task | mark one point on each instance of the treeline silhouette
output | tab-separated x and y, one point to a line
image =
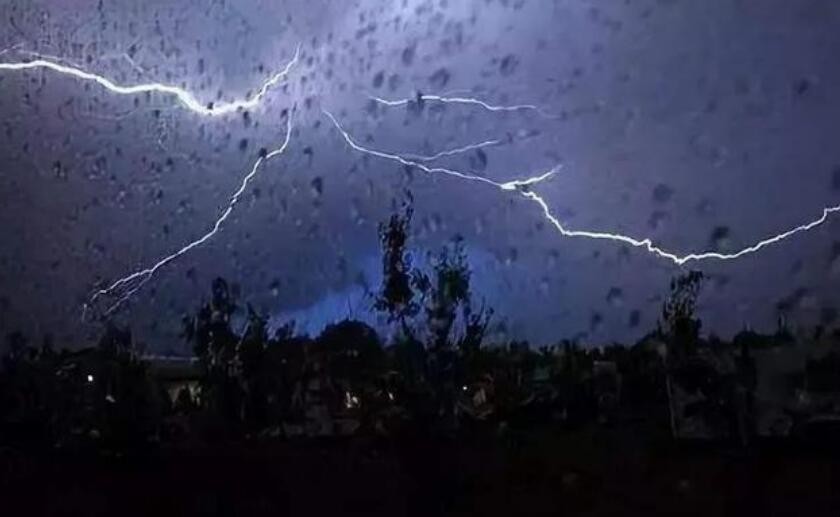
437	377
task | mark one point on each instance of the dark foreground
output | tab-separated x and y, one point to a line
593	472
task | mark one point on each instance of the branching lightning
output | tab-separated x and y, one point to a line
459	100
510	185
522	186
452	152
123	289
187	99
679	260
127	286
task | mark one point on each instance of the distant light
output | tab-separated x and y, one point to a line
350	401
90	378
464	388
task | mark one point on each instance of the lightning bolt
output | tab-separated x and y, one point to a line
124	288
187	99
460	100
522	187
452	152
679	260
510	185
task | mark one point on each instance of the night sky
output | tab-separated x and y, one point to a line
706	126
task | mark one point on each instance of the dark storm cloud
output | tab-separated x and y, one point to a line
699	124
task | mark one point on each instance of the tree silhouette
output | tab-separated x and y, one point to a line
680	327
397	296
127	406
215	344
356	363
448	291
354	352
681	330
251	369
